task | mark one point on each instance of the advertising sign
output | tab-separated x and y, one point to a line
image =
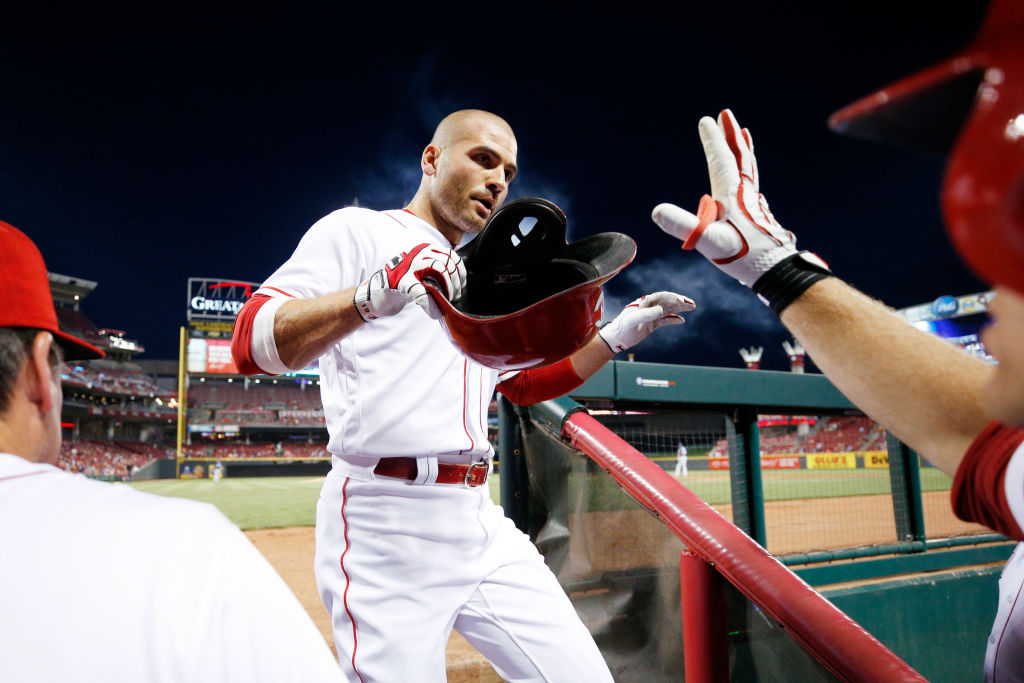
217	298
210	356
831	461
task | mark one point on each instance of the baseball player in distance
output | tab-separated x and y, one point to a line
99	582
409	544
963	415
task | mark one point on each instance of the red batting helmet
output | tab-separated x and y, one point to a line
971	105
531	298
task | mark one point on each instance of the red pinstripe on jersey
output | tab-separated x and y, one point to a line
341	562
27	474
465	401
483	406
1009	620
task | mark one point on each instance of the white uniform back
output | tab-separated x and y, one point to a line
442	408
99	582
1004	655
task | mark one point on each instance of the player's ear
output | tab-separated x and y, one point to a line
38	372
428	162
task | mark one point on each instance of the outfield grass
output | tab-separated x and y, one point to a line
273	502
713	487
257	502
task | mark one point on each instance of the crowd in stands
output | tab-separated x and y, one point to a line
278	450
837	434
236	396
120	378
108	459
265	404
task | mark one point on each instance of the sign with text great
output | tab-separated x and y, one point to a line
217	298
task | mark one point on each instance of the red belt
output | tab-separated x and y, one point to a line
405	468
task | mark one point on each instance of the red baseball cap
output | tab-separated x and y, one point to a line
27	298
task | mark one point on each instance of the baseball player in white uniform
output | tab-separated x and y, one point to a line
961	414
409	544
682	461
99	582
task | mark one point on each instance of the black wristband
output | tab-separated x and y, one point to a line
789	278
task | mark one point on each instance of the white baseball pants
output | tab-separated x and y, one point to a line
399	565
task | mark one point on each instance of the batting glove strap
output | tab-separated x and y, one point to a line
790	278
400	282
362	297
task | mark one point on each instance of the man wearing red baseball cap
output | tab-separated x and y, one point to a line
28	301
132	586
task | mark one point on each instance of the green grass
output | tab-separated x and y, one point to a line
713	486
796	484
273	502
257	502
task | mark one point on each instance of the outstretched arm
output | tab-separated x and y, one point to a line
636	321
924	390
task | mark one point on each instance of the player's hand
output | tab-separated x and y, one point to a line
401	280
643	316
733	228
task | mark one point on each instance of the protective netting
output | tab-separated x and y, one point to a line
620	566
825	479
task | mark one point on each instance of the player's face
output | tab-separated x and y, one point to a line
472	176
1004	338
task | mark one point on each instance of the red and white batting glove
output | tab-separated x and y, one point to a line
400	282
643	316
733	228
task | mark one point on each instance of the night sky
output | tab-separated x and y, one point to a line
139	149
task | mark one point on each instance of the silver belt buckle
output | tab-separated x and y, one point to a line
480	464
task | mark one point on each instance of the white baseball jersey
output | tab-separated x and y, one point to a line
99	582
400	564
396	387
1004	654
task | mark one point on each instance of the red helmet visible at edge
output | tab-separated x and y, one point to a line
971	106
531	298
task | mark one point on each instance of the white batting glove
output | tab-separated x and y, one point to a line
643	316
733	228
400	282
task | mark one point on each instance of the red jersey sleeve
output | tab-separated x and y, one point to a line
241	336
540	384
979	491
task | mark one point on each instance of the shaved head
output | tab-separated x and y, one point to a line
467	167
457	125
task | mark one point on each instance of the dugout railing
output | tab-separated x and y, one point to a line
750	617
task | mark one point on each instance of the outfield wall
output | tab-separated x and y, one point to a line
202	468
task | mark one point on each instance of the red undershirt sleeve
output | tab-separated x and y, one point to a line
540	384
979	491
241	336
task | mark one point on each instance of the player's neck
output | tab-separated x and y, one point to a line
421	208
